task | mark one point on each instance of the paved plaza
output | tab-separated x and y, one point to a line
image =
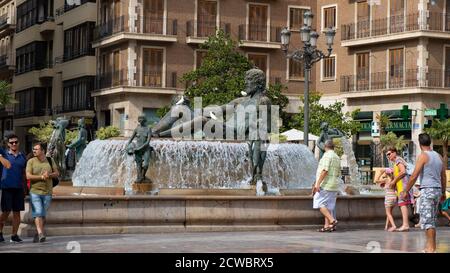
296	241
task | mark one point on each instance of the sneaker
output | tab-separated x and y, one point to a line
41	238
35	238
15	239
1	238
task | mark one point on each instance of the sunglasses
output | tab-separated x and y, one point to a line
13	142
388	154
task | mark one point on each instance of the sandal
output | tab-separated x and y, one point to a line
402	230
327	229
334	223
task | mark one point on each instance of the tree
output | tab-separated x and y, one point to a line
392	140
220	77
5	95
331	114
44	132
441	130
383	122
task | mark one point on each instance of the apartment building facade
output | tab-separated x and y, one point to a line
144	47
7	58
391	55
55	62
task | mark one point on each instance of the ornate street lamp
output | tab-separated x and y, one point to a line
308	55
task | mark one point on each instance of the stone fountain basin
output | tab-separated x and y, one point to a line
84	215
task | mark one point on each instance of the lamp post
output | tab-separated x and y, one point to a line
309	55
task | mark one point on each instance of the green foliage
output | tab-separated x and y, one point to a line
275	93
5	94
331	114
43	133
161	112
384	121
392	140
439	130
338	148
220	78
278	138
107	132
71	136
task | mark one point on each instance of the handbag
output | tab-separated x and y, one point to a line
55	180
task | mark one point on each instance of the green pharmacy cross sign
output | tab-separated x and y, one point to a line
442	112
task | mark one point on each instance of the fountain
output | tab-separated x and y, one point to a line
194	165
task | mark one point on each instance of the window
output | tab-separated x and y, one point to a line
151	116
199	56
447	67
363	19
33	102
153	67
116	69
206	18
77	94
396	68
31	57
259	60
397	16
329	17
296	70
257	22
296	17
33	12
329	68
153	16
78	41
362	71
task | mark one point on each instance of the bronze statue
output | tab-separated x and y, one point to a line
56	146
254	95
141	149
79	144
327	134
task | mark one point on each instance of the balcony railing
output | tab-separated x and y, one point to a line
87	105
410	78
30	112
66	7
260	33
24	69
3	20
396	24
149	26
205	29
73	54
121	78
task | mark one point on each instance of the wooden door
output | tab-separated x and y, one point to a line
396	69
154	16
206	18
362	71
153	67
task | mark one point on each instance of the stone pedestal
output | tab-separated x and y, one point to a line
142	188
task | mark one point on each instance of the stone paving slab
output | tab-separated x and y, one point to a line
293	241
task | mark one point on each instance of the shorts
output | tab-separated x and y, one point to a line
325	199
39	204
406	201
390	199
13	200
428	210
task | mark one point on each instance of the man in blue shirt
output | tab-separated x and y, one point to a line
12	185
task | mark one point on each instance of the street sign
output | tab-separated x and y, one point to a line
430	112
375	130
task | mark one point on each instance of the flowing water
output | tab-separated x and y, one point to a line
195	164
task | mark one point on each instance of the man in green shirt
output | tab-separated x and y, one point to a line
40	173
326	186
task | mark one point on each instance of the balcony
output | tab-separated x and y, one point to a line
46	70
66	7
150	83
7	25
258	36
87	105
47	65
410	81
198	32
396	28
48	26
31	112
146	29
7	63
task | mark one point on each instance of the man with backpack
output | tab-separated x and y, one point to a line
12	184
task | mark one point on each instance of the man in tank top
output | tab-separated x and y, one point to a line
431	168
